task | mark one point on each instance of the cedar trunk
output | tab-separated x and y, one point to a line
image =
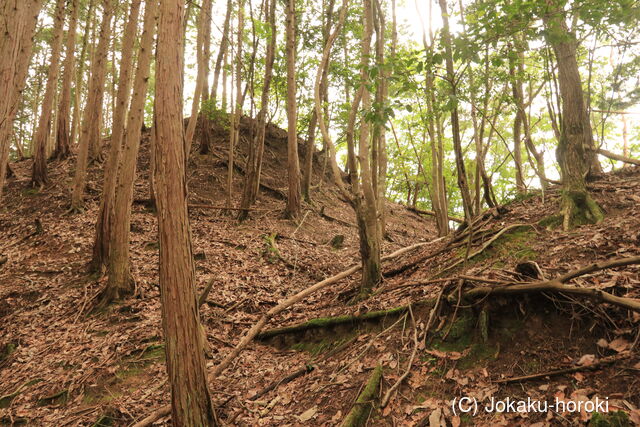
15	53
92	115
120	283
63	136
39	170
293	163
190	399
104	222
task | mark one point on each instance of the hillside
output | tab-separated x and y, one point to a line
63	361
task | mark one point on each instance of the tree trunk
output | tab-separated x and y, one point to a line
293	164
89	28
190	399
237	110
254	160
518	122
105	219
120	283
224	43
93	109
203	118
455	123
39	170
203	21
17	26
63	143
576	138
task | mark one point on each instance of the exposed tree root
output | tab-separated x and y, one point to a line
484	246
364	404
557	285
594	366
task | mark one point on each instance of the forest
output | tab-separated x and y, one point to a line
331	212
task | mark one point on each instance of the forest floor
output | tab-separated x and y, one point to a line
64	363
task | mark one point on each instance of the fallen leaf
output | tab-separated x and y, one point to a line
587	360
619	344
308	414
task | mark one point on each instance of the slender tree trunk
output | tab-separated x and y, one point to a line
89	28
203	21
576	138
455	122
237	111
293	164
307	174
379	163
190	399
518	122
254	160
17	26
39	170
120	283
222	52
63	135
93	110
204	120
105	219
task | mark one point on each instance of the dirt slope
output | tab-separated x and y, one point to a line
63	364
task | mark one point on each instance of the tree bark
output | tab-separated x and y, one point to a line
293	163
92	115
17	26
224	43
455	122
203	21
120	283
104	223
234	134
254	160
89	28
190	399
63	136
39	169
573	153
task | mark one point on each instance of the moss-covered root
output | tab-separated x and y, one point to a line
364	404
579	208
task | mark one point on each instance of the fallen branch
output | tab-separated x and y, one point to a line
203	296
618	157
300	372
594	366
225	208
364	403
432	213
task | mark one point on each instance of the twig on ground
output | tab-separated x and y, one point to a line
387	396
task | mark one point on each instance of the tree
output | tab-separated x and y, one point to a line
190	399
63	135
92	115
254	160
455	120
293	163
575	152
39	170
104	222
120	283
17	24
